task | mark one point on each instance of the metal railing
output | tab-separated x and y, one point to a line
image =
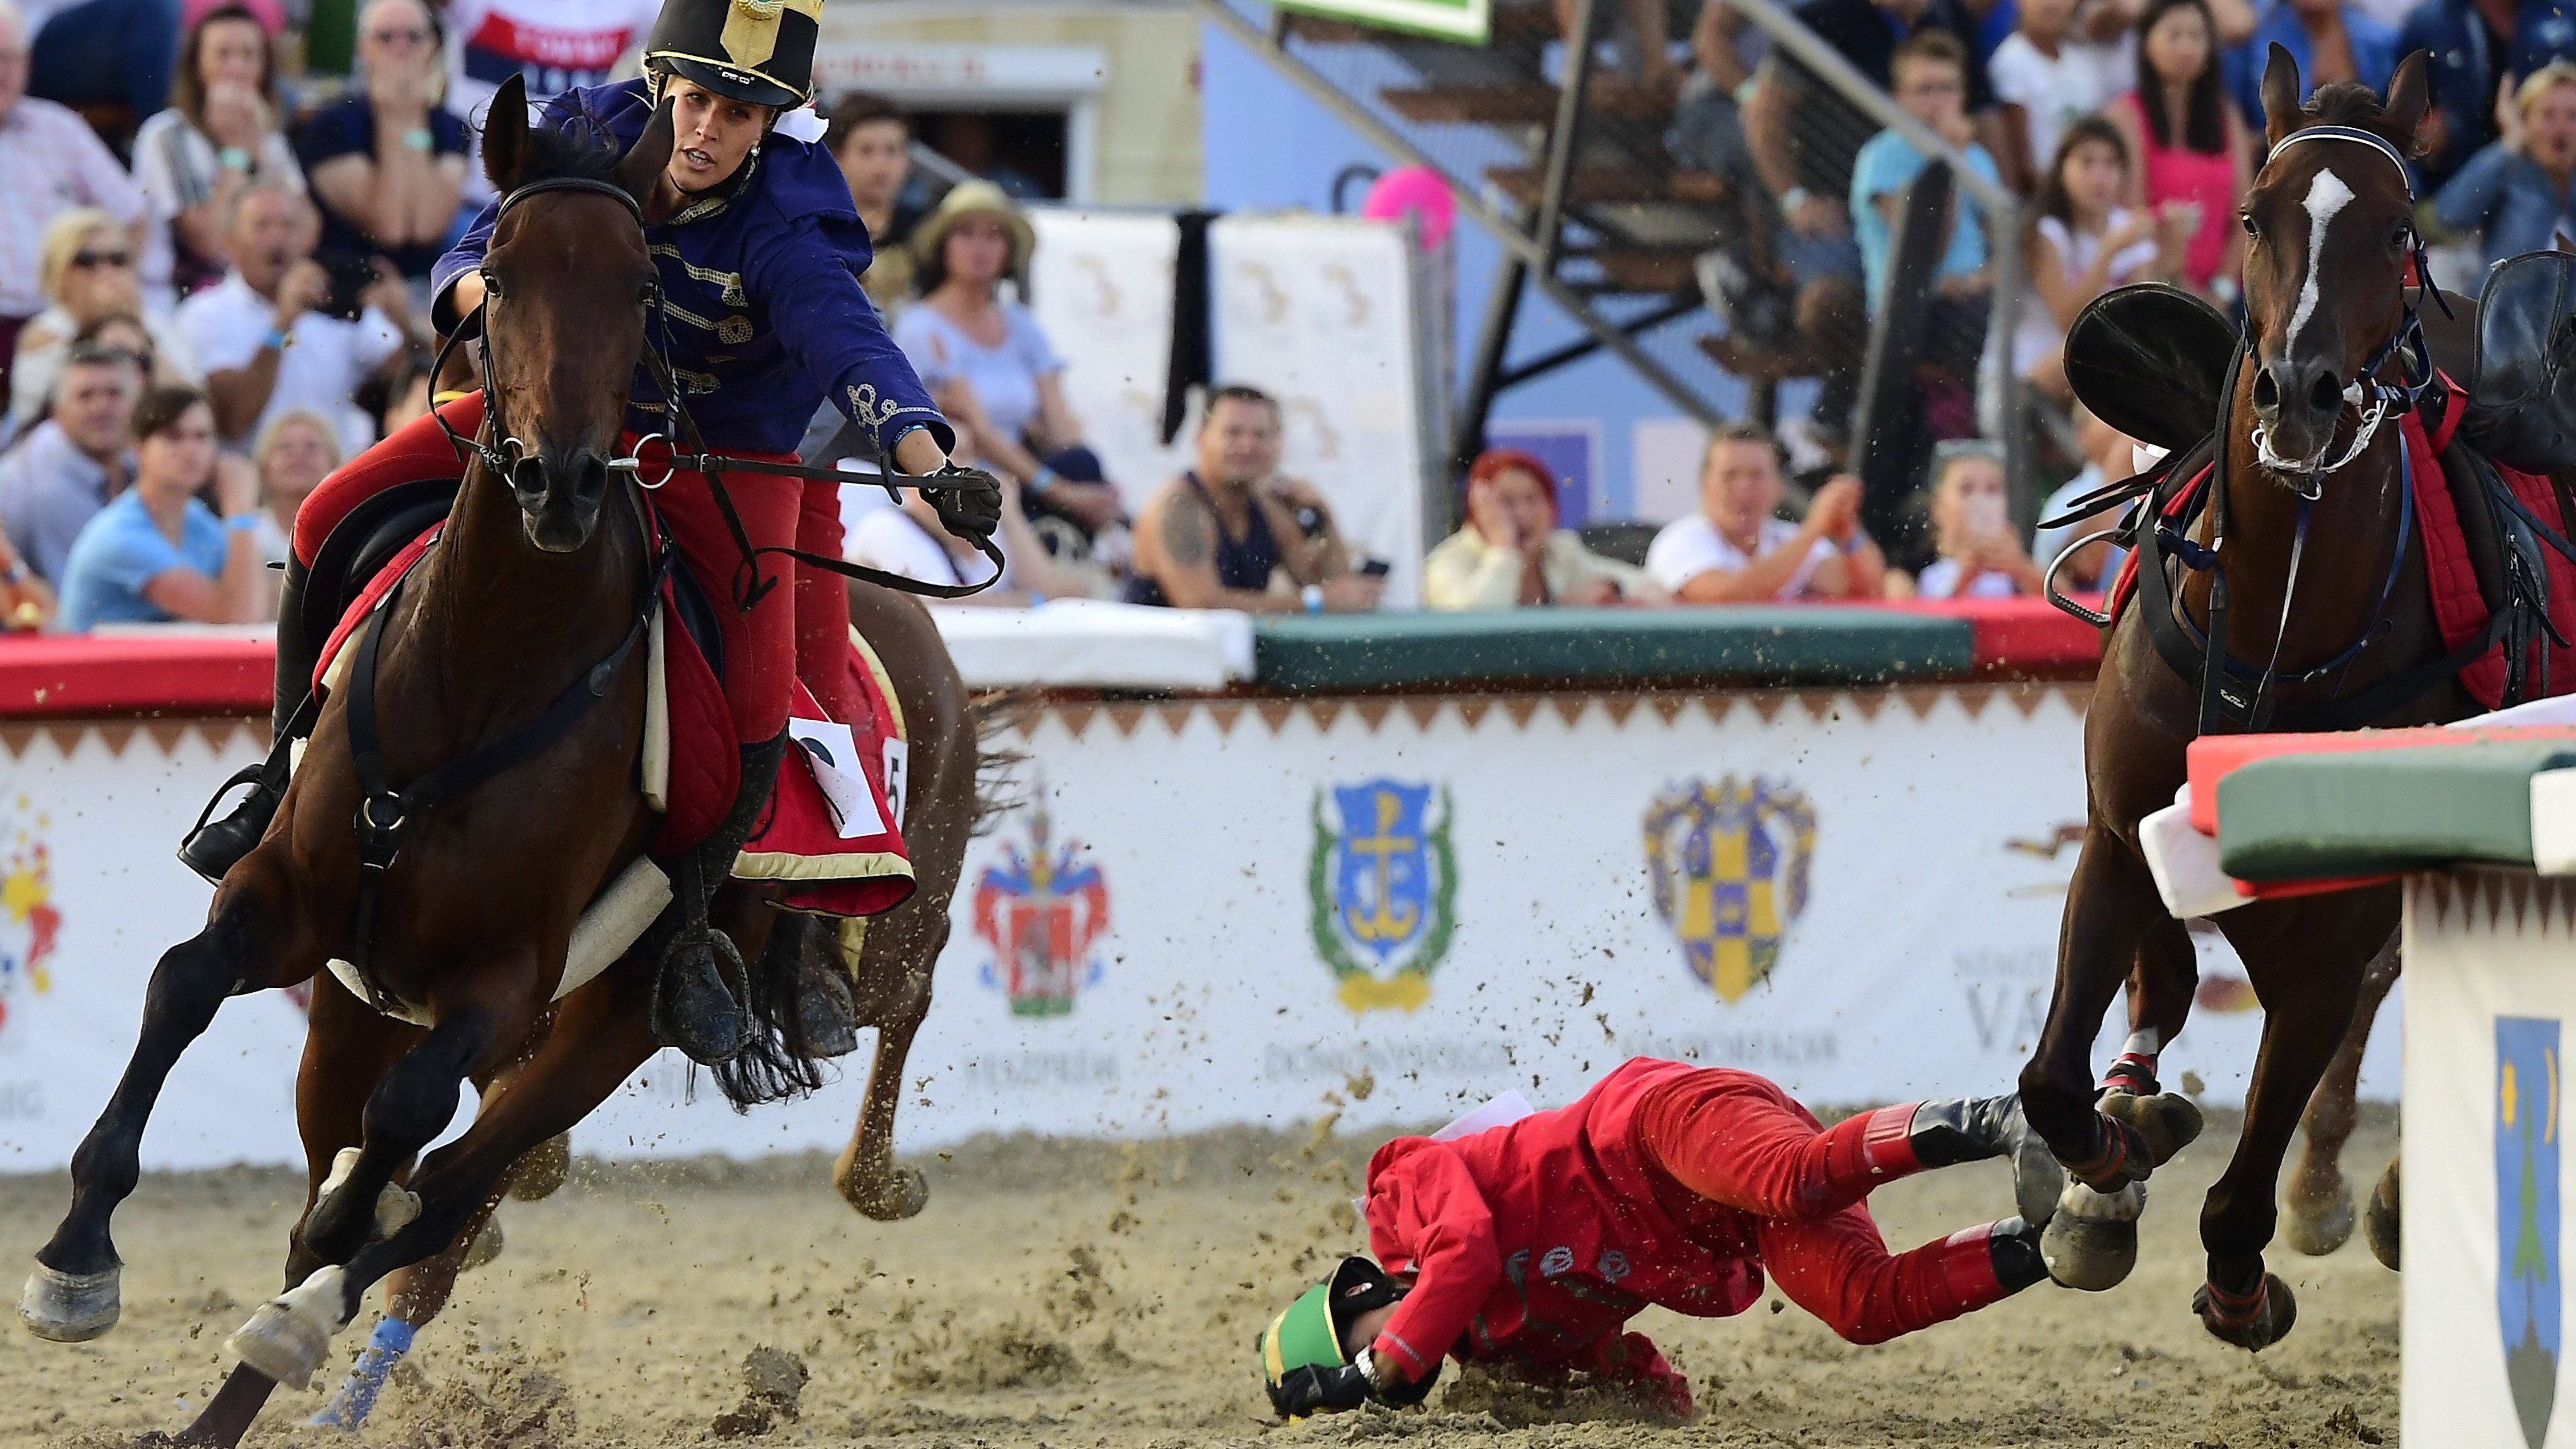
2001	208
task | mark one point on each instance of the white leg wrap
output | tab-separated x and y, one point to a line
2146	1041
289	1336
395	1207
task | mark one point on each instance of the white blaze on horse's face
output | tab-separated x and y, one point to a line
2327	197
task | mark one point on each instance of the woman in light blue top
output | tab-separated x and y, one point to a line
2518	191
155	553
986	362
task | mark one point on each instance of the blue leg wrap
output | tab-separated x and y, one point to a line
357	1396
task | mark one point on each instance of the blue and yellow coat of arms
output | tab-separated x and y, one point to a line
1383	886
2527	1256
1729	865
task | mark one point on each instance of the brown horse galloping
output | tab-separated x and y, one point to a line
2331	218
532	598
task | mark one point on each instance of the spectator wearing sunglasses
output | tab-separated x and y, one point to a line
88	273
387	160
50	162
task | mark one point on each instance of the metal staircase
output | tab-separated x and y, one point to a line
1573	179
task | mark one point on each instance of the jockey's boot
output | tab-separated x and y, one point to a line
700	995
214	845
1971	1129
1912	1137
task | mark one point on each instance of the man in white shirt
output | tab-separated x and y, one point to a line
1733	551
261	336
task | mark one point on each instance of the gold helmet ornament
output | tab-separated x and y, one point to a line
761	51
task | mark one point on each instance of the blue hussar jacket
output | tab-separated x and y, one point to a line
761	277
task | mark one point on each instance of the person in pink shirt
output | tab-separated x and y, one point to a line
2194	158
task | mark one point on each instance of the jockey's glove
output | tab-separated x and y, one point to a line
971	512
1317	1389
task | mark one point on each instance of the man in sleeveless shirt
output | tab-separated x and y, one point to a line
1214	537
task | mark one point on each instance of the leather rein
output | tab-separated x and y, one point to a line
749	584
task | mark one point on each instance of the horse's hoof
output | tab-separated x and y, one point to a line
2091	1241
903	1193
2379	1224
2254	1322
69	1307
289	1336
2317	1229
2167	1121
486	1246
543	1168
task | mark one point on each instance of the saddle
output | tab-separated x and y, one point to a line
2522	378
832	831
2151	360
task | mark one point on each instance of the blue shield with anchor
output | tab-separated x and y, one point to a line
1382	890
2527	1259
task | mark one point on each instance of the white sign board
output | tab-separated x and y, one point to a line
2488	994
1242	911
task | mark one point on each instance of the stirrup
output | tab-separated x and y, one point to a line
266	794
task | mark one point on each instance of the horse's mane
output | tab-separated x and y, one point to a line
574	150
2357	106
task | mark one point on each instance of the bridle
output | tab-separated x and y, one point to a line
500	451
2366	391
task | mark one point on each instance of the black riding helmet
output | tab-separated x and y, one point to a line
759	51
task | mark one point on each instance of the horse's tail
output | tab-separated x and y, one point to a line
996	713
778	1062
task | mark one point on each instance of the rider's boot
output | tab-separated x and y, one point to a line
700	994
214	845
1913	1137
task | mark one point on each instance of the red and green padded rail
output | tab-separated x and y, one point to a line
184	674
2353	807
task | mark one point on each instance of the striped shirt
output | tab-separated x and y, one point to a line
50	162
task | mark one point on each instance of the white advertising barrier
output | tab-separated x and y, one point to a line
1250	911
2484	1344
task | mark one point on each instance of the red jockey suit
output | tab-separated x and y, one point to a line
1533	1244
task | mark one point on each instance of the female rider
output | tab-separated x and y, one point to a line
760	253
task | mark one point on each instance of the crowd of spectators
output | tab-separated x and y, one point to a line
220	241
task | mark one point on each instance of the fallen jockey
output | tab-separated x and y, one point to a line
1530	1245
759	253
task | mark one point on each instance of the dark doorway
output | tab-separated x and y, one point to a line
1021	150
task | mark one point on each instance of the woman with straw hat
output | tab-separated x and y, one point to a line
987	362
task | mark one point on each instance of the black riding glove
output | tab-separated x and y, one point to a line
1315	1390
971	512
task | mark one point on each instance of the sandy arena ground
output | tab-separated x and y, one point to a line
1073	1295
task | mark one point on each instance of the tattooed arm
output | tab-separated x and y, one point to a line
1176	546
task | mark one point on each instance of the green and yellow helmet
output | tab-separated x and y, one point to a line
761	51
1313	1331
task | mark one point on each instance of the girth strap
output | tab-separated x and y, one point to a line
385	815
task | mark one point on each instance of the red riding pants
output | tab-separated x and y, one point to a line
1741	1142
799	629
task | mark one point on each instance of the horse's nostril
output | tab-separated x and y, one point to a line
2267	390
528	475
2325	394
